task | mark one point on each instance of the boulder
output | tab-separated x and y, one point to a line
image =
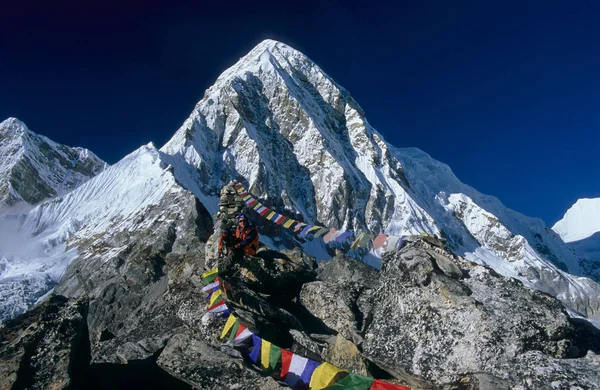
211	367
430	322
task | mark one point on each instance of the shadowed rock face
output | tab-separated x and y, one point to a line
44	348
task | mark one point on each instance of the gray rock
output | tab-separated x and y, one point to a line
207	367
42	348
428	324
345	354
331	304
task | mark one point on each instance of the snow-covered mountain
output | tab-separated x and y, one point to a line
581	221
276	121
33	168
580	229
128	197
298	140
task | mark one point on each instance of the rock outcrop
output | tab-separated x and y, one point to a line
46	347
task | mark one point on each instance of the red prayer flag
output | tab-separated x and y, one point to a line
264	212
241	328
219	303
286	360
380	385
379	241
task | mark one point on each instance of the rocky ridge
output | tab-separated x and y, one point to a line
429	319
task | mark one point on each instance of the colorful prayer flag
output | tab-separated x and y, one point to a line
379	241
257	206
265	353
286	359
327	237
352	382
309	369
320	232
228	325
304	231
278	220
324	375
210	286
299	227
271	215
358	239
242	334
245	198
217	307
343	237
297	366
332	235
211	292
255	354
274	356
251	202
380	385
288	223
400	243
215	297
314	228
210	276
264	212
234	329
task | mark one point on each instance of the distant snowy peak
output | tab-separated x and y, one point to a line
34	168
581	221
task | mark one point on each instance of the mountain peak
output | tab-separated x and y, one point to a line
581	221
13	127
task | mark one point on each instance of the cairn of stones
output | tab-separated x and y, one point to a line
230	205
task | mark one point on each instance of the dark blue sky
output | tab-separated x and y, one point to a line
506	93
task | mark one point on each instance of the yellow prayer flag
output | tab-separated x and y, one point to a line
288	223
246	197
214	297
257	206
313	228
211	272
271	215
323	376
355	243
265	353
228	326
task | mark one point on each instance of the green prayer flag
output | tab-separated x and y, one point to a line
210	278
320	232
234	329
274	358
352	382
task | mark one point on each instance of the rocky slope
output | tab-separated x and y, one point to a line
33	168
429	319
